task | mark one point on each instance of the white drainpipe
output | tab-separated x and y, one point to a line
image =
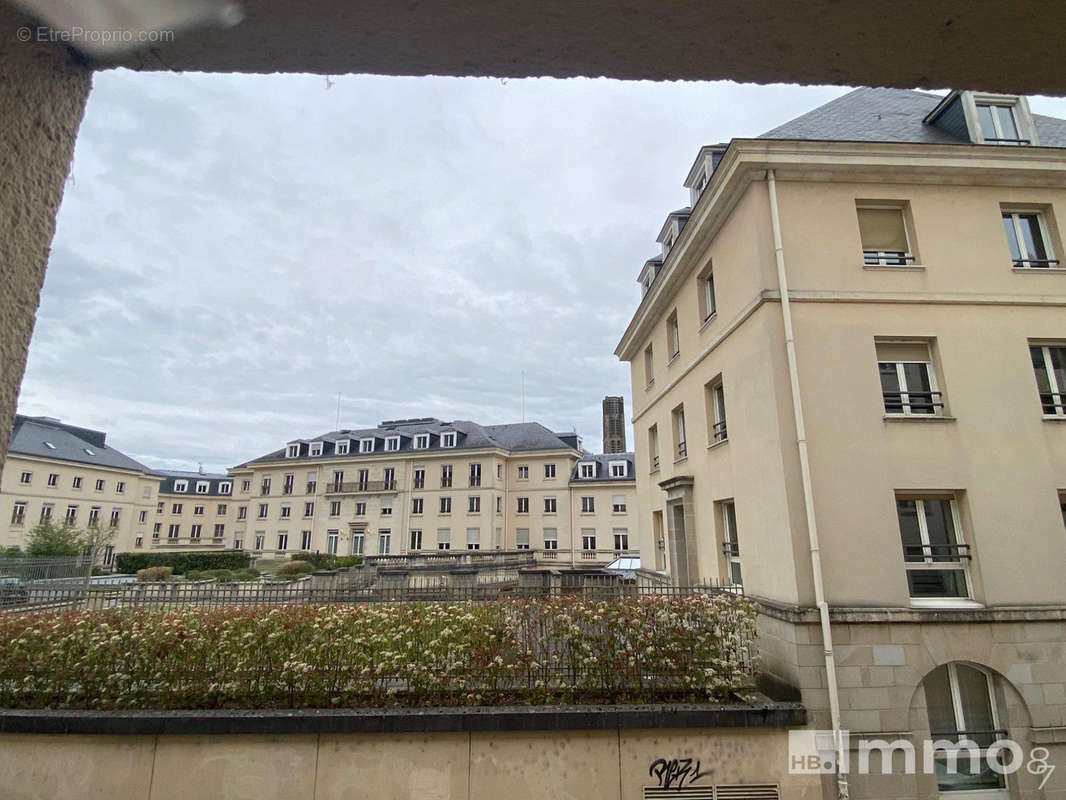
808	492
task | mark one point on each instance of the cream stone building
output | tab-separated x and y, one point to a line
195	511
422	485
848	370
63	472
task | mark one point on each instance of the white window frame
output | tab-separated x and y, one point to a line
415	540
292	450
343	446
888	258
473	504
550	542
1027	259
619	508
26	477
1053	383
314	449
386	507
305	541
444	538
225	487
731	543
1023	121
366	444
421	441
588	504
588	540
203	487
616	465
523	472
449	439
674	331
332	541
392	443
907	408
551	505
384	541
719	427
587	469
621	539
709	299
358	543
549	472
181	486
418	506
445	505
961	564
522	501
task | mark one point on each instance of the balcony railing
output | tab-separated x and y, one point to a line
1036	263
1053	402
947	553
361	487
654	463
682	449
913	403
719	432
887	258
264	488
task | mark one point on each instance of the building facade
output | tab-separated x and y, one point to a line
66	473
194	511
848	368
422	485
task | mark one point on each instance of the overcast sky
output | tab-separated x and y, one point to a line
233	251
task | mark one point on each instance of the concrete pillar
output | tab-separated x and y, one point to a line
43	90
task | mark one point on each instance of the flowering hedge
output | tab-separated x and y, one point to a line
524	651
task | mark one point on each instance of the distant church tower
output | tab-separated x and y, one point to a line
614	425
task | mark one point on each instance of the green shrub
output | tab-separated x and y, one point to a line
183	562
225	575
560	650
295	569
247	574
194	575
11	552
327	561
154	573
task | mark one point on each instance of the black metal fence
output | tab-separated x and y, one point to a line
335	589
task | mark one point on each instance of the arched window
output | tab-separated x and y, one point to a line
962	708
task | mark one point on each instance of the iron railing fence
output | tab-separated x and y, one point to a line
42	569
50	596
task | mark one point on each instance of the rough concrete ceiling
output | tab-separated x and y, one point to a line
1011	45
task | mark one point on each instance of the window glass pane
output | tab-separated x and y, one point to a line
1012	238
1058	367
941	527
938	702
882	230
976	702
937	583
984	119
1005	118
919	389
1042	383
1034	240
890	387
907	510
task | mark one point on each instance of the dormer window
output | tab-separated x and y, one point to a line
315	449
225	487
421	441
203	487
181	486
342	446
998	123
587	469
448	439
619	469
292	451
366	445
668	242
392	443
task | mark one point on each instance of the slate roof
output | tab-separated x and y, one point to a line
889	115
69	443
515	437
603	469
213	479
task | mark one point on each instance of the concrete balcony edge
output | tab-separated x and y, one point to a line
403	720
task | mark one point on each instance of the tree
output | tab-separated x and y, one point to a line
48	539
92	541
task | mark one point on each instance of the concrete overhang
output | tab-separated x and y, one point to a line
932	43
747	161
